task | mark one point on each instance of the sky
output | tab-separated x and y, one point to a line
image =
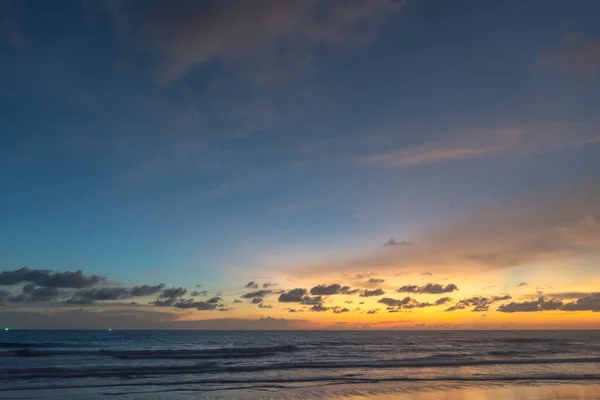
343	164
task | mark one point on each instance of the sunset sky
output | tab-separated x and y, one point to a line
266	164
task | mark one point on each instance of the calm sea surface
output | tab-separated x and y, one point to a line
227	364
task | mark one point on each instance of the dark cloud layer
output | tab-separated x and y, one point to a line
541	304
587	303
49	278
430	288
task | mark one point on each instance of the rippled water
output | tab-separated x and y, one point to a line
77	363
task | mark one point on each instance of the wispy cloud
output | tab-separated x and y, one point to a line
518	140
575	53
187	33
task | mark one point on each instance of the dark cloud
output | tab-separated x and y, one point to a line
373	311
32	293
339	310
522	284
257	294
394	302
261	305
293	296
251	285
588	303
257	300
173	293
541	304
198	305
89	296
394	242
311	300
326	289
268	285
49	278
214	300
201	293
430	288
237	301
375	280
146	290
348	290
426	274
442	300
479	304
370	293
319	308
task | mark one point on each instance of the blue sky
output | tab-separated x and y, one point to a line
180	143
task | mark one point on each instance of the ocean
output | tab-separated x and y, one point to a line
290	364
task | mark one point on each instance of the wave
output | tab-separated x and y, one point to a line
28	345
210	368
280	383
229	352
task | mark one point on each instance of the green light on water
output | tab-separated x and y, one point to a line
6	329
110	329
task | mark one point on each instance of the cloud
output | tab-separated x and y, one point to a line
394	302
371	293
479	304
576	53
373	311
326	289
261	305
430	288
311	300
88	296
170	295
49	278
214	300
541	304
394	242
319	308
31	293
186	33
375	281
442	300
338	310
517	140
522	284
426	274
146	290
251	285
173	293
257	300
588	303
198	305
201	293
252	295
237	301
292	296
268	285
